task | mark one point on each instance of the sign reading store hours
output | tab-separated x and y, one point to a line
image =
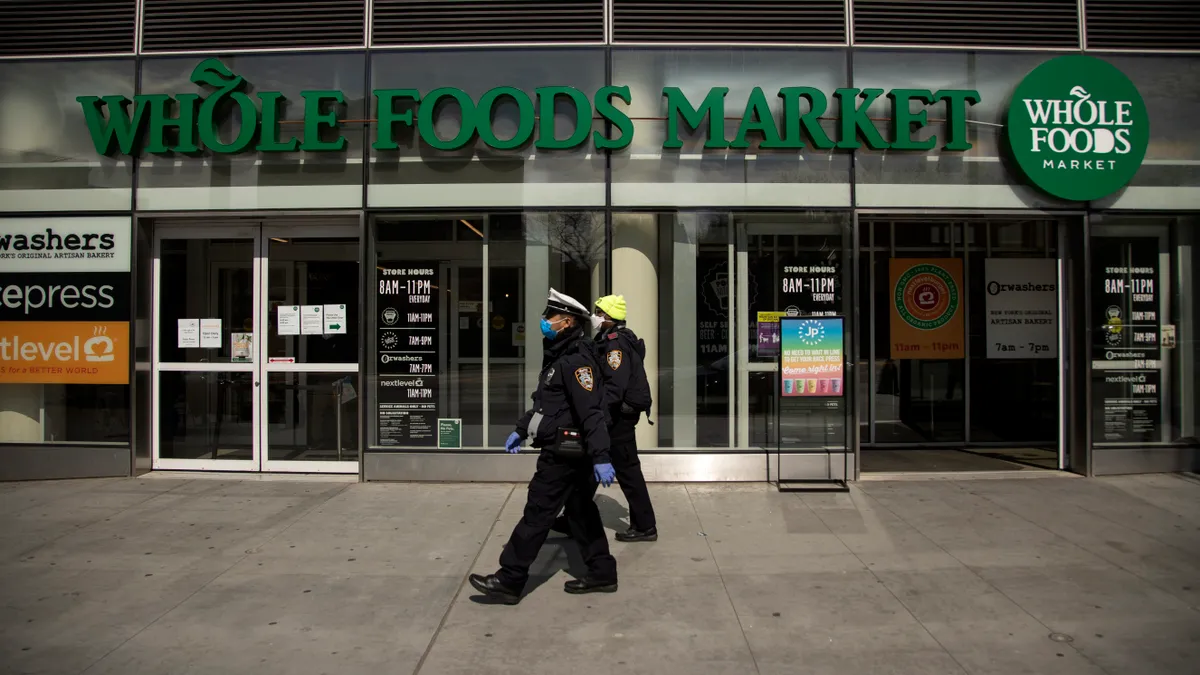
407	390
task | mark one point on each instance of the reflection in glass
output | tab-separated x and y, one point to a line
528	254
314	271
291	180
312	417
206	415
204	279
916	400
46	152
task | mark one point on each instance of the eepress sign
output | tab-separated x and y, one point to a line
1078	128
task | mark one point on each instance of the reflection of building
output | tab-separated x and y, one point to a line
706	242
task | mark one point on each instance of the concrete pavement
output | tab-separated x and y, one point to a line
204	575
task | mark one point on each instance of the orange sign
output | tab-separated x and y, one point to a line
64	352
926	308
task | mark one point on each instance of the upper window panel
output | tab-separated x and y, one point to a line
721	21
54	27
469	22
212	25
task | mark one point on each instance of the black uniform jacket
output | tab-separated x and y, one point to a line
570	393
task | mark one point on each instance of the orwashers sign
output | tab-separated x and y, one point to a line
64	300
1021	307
1078	128
926	308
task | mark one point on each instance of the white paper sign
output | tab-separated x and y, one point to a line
210	333
287	319
312	320
1022	308
335	319
189	333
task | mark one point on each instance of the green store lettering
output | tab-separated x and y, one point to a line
191	123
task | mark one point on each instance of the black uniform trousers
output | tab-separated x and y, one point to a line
557	483
628	468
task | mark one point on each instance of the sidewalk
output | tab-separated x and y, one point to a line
164	575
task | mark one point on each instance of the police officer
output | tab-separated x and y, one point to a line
567	423
626	396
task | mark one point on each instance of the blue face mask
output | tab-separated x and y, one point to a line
548	330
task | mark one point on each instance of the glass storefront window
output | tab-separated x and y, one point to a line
263	180
474	326
1144	349
931	391
1169	174
47	159
426	314
419	176
647	175
528	253
65	330
977	178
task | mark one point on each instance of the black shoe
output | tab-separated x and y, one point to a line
561	526
632	535
589	585
492	587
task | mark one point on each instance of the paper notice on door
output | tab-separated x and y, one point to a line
287	320
210	333
240	345
189	333
335	319
312	320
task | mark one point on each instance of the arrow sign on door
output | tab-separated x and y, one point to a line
335	319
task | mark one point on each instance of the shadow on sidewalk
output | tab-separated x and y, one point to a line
563	554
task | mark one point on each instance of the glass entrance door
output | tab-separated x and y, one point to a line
787	265
256	348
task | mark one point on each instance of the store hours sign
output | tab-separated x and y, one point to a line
407	346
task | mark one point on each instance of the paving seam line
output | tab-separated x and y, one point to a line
721	576
462	584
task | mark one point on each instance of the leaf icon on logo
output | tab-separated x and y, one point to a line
213	73
1080	93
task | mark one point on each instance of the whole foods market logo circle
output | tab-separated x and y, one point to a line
926	297
1078	128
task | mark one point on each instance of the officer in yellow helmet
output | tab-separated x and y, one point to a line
626	396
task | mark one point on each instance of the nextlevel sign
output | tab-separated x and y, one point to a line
1078	128
189	123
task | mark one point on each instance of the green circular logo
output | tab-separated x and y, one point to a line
926	296
1078	128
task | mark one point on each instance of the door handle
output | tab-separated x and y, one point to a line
256	383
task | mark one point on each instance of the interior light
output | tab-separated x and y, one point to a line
282	241
471	227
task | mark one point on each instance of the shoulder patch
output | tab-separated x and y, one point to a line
614	359
584	377
612	335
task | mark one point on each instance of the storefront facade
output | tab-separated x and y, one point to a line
323	257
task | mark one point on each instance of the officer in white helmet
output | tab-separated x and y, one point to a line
567	424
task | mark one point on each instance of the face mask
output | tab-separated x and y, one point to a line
597	323
548	330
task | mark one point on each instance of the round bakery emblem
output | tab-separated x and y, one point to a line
926	297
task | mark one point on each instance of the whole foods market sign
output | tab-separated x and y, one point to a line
1078	128
189	123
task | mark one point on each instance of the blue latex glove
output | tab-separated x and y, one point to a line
604	473
513	444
